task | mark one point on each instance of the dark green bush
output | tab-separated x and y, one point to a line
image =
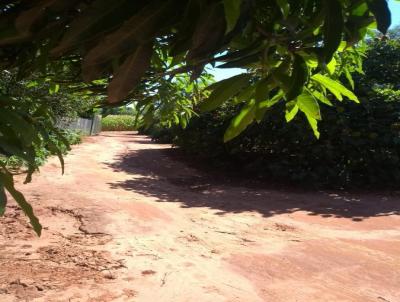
359	143
118	123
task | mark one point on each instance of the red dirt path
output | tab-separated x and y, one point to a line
129	223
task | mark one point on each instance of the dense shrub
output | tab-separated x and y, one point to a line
359	143
118	123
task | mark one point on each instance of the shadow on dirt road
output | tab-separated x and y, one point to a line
170	181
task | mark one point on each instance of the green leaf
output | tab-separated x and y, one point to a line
308	104
130	73
328	83
232	13
54	88
359	9
322	98
263	106
291	112
381	11
270	102
240	122
311	59
31	84
183	122
331	66
349	77
225	90
335	87
176	118
7	180
333	28
298	78
53	148
314	125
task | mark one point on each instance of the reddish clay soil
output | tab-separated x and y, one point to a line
127	222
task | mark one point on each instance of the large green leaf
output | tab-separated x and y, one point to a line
291	111
130	73
240	122
321	97
333	28
225	90
331	66
53	148
314	125
309	105
7	180
335	87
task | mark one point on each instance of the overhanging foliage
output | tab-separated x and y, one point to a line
285	46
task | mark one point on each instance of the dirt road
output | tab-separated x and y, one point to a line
129	223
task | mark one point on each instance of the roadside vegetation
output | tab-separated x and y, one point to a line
42	106
359	144
42	152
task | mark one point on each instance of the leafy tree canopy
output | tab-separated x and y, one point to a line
286	46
